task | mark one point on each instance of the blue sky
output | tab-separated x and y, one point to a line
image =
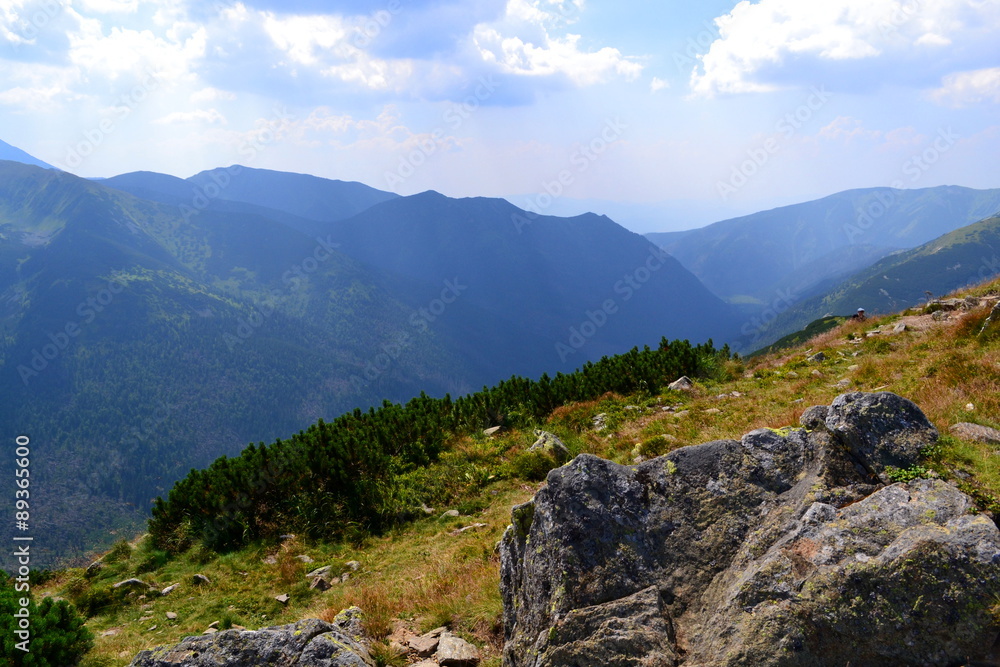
663	114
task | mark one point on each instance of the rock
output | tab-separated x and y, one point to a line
151	628
214	624
853	367
353	565
817	358
305	559
132	584
712	411
286	537
970	407
474	526
781	549
900	328
283	598
451	514
880	430
210	631
940	315
456	652
550	444
993	321
493	431
814	417
320	584
425	663
320	572
111	632
429	511
309	643
792	375
170	589
817	373
94	568
345	577
976	433
681	384
171	616
200	580
425	645
682	413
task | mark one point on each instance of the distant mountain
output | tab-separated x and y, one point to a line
14	154
960	258
140	339
801	249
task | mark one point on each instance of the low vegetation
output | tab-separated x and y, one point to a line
429	568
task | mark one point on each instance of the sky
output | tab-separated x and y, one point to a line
663	114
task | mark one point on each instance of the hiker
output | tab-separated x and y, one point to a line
860	315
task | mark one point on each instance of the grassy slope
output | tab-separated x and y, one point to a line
428	576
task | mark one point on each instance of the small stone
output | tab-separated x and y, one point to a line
200	580
792	375
305	559
682	413
319	572
853	367
900	328
681	384
976	433
456	652
283	598
713	411
345	577
210	631
353	565
817	374
131	583
169	589
171	616
736	394
425	645
94	568
549	443
970	407
451	513
320	584
429	511
493	431
844	383
818	357
940	316
214	624
111	632
151	628
285	538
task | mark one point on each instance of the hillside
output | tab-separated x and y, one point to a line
798	249
169	329
15	154
963	257
443	570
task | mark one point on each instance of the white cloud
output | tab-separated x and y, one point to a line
206	116
308	40
523	44
968	88
757	41
658	84
211	95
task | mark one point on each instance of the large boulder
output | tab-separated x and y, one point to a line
782	548
309	643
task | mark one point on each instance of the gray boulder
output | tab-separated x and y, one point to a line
779	549
550	444
309	643
682	383
454	651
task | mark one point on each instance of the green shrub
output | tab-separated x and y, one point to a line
120	552
152	562
58	637
532	466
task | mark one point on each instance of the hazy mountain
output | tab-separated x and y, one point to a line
141	339
799	249
960	258
14	154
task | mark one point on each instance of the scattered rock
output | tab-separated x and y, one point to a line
456	652
681	384
111	632
309	643
151	628
320	584
135	584
169	589
976	433
345	577
682	413
493	430
474	526
817	374
425	663
818	357
853	367
429	511
320	572
214	624
792	375
713	411
900	328
283	598
550	444
970	407
94	568
780	549
210	631
305	559
451	514
843	384
171	616
940	315
425	645
271	560
200	580
286	537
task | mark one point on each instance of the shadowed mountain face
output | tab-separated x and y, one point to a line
141	339
803	248
958	259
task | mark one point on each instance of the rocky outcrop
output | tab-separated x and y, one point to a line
309	643
784	548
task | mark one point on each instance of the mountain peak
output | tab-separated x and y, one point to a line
15	154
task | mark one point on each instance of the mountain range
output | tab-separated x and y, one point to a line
146	319
151	324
